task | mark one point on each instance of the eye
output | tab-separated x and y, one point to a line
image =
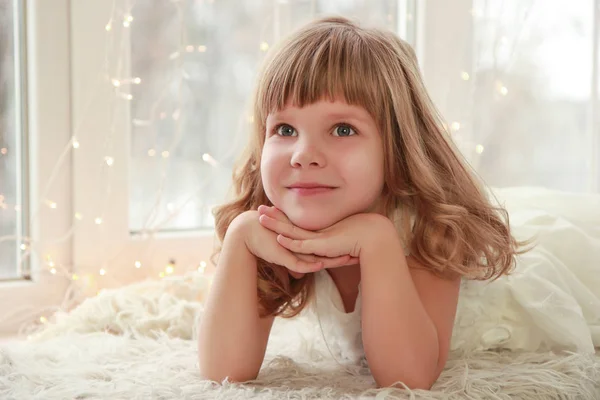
285	130
344	130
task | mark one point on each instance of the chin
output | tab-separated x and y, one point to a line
313	222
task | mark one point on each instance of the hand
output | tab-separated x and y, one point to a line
262	242
346	237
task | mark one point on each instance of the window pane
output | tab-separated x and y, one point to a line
11	173
196	62
518	95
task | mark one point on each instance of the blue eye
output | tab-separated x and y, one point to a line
344	130
285	130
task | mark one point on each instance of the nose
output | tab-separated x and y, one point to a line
307	153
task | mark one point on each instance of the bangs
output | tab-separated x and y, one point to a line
331	63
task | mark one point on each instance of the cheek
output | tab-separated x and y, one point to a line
365	168
270	164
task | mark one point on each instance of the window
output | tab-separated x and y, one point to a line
516	82
13	131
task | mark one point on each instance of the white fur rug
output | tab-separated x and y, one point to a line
137	343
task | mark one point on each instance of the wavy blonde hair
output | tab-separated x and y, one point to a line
456	230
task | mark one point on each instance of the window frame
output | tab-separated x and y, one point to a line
47	128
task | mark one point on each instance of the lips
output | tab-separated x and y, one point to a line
310	188
310	185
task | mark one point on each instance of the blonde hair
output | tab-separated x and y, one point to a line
456	231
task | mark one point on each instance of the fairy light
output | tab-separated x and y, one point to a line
465	76
78	216
109	160
116	83
264	46
75	143
202	267
4	151
53	271
138	264
165	154
501	88
209	159
479	149
43	320
201	49
127	21
102	272
98	220
151	152
75	277
455	126
23	246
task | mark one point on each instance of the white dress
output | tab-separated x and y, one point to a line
550	302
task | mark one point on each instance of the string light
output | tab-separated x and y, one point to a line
209	159
264	46
78	216
4	151
102	271
109	160
479	149
465	76
201	49
127	21
138	264
151	152
75	143
98	220
43	320
501	88
53	271
202	267
165	154
455	126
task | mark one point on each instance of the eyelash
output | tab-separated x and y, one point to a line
275	129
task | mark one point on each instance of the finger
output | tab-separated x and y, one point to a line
327	262
296	275
316	246
284	228
295	264
274	213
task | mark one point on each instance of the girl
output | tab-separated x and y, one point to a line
350	175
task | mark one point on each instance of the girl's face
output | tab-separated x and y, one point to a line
322	163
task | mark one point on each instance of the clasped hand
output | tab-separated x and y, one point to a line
343	239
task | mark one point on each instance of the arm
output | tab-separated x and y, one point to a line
232	338
407	314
